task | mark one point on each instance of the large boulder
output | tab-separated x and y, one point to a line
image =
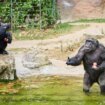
7	67
35	59
81	9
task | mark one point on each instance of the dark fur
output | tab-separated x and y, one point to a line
92	51
4	34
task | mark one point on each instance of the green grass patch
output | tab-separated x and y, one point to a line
52	91
90	21
57	30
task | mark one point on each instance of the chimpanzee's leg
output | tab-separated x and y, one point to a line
87	83
101	81
4	51
3	47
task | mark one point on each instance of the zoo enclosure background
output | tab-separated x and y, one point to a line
29	13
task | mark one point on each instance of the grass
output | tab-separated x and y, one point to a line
57	30
53	90
90	21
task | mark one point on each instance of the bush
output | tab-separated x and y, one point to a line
29	13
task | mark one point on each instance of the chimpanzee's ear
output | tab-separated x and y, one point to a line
97	43
68	58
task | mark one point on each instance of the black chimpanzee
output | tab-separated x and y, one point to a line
92	53
5	37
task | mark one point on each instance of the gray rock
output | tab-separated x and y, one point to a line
7	67
71	10
35	59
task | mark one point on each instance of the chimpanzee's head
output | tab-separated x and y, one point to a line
91	44
7	26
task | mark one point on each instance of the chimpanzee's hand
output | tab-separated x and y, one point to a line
6	40
94	66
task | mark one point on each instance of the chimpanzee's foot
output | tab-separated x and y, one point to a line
5	52
102	89
86	91
1	51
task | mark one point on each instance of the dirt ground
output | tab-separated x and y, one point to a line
64	45
58	49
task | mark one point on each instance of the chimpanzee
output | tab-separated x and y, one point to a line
5	37
92	53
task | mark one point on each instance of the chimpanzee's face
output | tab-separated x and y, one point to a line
90	46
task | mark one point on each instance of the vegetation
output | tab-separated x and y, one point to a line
57	30
29	13
91	20
53	90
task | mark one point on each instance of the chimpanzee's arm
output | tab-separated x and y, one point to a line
76	60
102	65
9	36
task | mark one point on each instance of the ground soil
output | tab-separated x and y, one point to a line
57	51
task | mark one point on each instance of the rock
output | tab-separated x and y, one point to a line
96	3
71	10
93	36
7	67
35	59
